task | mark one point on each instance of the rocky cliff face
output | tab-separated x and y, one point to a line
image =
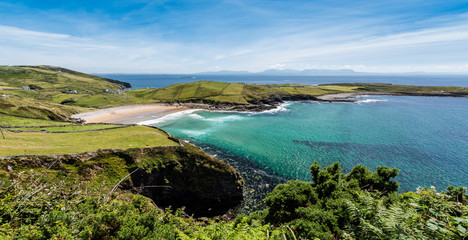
204	185
257	105
178	176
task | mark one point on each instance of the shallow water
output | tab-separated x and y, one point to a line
425	137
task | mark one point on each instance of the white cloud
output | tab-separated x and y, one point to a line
20	46
442	49
277	66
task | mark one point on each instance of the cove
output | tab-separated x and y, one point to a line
425	137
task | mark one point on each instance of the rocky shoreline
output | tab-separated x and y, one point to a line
254	106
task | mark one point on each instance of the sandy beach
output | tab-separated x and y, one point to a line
129	114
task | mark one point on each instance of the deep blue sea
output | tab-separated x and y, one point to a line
425	137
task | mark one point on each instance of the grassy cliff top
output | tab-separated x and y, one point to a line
34	142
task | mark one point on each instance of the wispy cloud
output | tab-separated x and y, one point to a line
170	37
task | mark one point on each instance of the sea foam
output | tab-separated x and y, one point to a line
170	117
371	100
281	108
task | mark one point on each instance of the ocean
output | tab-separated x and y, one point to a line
425	137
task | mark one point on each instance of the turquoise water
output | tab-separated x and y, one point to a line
426	138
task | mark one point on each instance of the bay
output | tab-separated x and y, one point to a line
425	137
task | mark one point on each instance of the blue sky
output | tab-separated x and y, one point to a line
162	36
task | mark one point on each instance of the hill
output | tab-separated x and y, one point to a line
41	91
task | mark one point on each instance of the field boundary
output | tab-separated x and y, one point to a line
87	130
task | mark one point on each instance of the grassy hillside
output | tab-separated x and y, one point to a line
57	88
244	94
31	108
231	93
51	79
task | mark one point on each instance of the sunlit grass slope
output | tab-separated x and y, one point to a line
52	79
6	120
45	143
230	93
37	109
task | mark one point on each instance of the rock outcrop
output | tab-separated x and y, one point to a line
176	176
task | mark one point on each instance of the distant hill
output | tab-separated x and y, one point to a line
309	72
286	72
225	72
315	72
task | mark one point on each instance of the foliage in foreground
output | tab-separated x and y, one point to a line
358	205
365	205
36	206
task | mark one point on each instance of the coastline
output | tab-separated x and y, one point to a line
131	114
153	113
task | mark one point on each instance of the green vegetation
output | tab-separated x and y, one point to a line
365	205
50	79
63	210
32	143
31	108
223	93
6	120
358	205
405	89
244	94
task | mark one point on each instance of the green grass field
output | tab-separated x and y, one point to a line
27	143
7	120
380	87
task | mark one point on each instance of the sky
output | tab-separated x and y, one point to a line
163	36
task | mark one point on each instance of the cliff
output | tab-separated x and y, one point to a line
176	176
